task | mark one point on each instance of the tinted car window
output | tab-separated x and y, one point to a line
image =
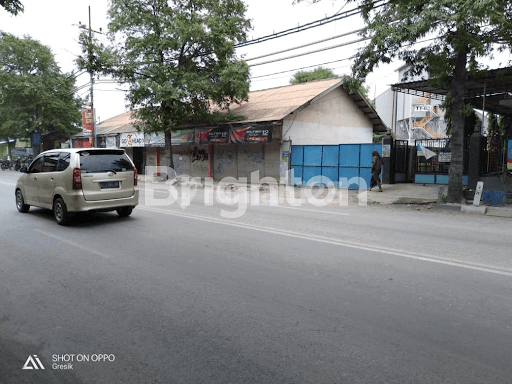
104	161
50	162
63	161
37	165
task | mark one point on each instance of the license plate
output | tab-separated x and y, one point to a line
109	184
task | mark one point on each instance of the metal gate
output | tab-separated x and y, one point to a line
400	161
344	165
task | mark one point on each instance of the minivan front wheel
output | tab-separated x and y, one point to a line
124	211
60	211
20	202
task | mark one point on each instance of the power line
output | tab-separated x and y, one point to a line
305	45
330	62
299	69
313	24
310	52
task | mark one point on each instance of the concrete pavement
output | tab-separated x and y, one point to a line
404	193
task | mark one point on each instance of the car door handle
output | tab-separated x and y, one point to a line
35	178
51	179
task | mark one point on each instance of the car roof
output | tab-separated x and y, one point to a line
75	150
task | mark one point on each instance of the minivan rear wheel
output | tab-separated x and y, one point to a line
60	211
124	211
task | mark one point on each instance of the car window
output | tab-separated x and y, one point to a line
104	161
63	161
37	165
50	162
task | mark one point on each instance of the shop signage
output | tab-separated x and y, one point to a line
218	135
22	143
155	139
445	157
132	139
182	136
37	138
251	134
201	135
110	142
87	119
422	108
82	143
509	154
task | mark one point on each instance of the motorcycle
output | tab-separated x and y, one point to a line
6	164
17	164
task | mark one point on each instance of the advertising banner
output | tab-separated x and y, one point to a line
251	134
155	139
182	136
201	135
87	119
22	143
218	135
132	139
110	142
509	154
82	143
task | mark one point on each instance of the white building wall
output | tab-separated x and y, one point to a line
331	119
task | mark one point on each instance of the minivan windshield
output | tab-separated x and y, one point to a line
104	161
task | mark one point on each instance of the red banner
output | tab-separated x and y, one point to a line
251	134
88	119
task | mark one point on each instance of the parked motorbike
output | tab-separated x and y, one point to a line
17	164
6	164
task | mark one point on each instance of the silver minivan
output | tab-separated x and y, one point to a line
79	180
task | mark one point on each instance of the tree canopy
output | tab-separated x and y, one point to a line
443	38
34	95
316	74
12	6
178	58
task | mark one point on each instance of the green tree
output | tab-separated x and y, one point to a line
34	95
316	74
460	31
12	6
178	58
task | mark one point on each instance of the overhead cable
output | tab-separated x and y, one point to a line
305	45
310	52
299	69
313	24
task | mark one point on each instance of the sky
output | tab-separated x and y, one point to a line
55	24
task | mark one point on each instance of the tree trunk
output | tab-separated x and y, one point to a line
458	88
168	144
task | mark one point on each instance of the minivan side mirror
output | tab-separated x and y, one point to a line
24	169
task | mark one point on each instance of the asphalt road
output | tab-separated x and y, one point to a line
279	295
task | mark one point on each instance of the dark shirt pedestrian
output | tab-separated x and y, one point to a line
377	163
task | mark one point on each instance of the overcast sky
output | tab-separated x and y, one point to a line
55	24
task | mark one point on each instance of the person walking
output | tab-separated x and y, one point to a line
377	163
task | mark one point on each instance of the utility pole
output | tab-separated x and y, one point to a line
91	74
92	84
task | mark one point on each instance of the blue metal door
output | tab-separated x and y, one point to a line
344	165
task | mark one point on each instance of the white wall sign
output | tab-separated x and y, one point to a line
110	142
445	157
132	139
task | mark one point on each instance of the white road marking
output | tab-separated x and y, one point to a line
74	244
308	210
326	240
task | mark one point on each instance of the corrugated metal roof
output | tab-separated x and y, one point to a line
266	105
117	124
276	103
